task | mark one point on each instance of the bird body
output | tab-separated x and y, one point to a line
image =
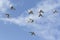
7	15
12	7
55	11
30	21
32	33
41	11
40	15
30	11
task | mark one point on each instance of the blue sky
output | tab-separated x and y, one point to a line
17	28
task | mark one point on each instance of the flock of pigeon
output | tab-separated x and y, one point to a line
30	12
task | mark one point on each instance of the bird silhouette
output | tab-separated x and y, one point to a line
32	33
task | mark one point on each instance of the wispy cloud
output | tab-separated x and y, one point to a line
46	26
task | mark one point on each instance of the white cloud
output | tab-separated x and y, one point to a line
4	5
45	27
